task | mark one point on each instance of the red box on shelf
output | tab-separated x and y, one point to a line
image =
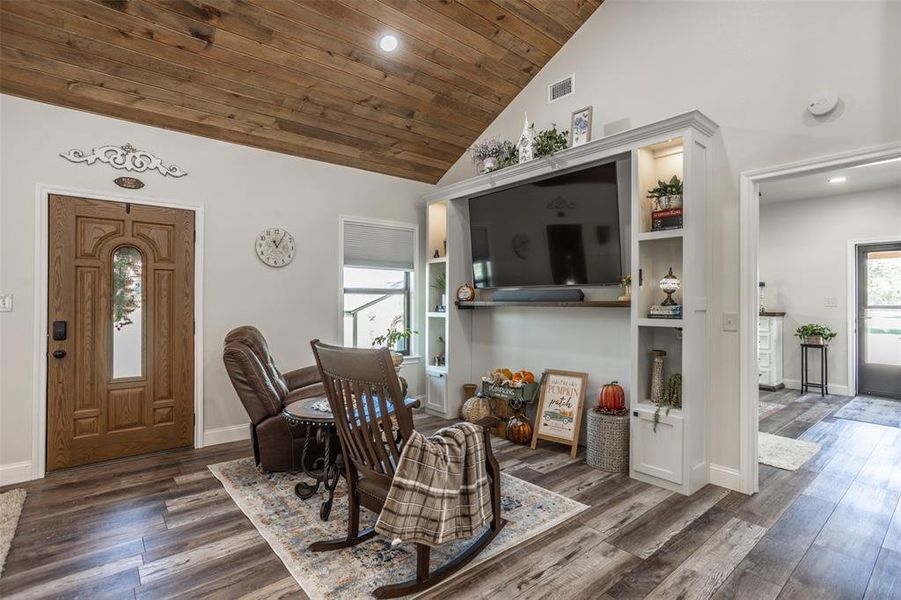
670	218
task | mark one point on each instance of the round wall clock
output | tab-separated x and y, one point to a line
275	247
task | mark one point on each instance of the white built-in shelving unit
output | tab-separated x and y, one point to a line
673	456
436	321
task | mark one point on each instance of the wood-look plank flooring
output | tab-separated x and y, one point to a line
160	526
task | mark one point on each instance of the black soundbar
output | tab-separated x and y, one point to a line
561	295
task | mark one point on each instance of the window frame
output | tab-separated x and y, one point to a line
412	315
405	291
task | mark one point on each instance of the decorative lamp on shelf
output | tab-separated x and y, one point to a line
670	284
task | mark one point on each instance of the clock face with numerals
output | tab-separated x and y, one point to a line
275	247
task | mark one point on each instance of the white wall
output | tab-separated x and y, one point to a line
751	67
243	191
804	260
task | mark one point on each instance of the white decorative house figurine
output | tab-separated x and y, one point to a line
526	140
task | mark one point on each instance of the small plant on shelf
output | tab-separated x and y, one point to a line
672	397
440	282
673	187
486	153
549	141
814	333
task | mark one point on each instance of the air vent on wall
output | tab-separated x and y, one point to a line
561	89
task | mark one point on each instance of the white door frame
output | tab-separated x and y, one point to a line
749	230
41	274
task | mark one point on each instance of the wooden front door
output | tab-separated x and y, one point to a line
120	376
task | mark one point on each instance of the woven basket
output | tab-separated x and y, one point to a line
608	442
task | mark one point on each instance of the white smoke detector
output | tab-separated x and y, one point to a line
822	104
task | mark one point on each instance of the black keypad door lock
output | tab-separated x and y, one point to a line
59	331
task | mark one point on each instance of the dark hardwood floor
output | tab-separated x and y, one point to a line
161	526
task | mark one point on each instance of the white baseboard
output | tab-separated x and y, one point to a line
726	477
834	388
15	472
223	435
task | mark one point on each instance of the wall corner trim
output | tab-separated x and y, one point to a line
15	472
224	435
726	477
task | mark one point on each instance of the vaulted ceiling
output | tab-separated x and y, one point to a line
302	77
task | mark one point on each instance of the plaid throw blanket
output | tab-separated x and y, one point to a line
440	492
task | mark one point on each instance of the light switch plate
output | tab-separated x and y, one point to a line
6	302
830	302
730	321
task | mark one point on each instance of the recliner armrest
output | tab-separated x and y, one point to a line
302	377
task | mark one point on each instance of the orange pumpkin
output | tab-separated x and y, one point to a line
519	429
528	377
611	397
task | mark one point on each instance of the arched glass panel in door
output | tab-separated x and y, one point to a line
128	326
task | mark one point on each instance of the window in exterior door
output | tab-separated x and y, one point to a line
128	326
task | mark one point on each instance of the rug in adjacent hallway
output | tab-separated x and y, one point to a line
290	524
10	510
765	409
880	411
784	453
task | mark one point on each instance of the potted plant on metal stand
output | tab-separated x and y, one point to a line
815	334
608	431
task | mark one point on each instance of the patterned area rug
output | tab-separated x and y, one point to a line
290	524
765	409
10	510
784	453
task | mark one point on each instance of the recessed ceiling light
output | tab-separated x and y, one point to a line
838	179
388	43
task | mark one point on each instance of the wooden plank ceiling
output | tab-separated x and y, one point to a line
302	77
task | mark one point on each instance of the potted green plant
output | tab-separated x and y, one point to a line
549	141
814	333
672	397
508	157
439	284
667	194
390	341
485	154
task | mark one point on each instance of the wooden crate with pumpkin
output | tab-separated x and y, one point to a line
509	391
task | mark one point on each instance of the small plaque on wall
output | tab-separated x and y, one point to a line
129	183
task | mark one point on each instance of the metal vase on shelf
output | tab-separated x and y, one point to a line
657	383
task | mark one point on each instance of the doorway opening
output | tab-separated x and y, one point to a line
798	266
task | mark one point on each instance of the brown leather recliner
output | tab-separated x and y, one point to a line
265	391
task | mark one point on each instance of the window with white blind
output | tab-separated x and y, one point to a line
379	260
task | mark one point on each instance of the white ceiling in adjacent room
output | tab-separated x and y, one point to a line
860	178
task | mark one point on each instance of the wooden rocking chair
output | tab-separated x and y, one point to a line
364	395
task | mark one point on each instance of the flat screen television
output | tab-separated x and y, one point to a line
565	230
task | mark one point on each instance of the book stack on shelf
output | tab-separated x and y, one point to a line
658	311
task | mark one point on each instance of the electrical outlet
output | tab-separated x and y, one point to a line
830	302
6	302
730	321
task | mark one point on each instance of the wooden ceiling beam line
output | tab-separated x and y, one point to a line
85	97
49	16
137	19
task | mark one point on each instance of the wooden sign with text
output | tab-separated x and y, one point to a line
559	413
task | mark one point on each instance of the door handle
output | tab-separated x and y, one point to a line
59	353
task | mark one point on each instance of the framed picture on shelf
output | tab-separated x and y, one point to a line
559	414
580	127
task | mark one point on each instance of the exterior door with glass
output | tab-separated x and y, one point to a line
120	371
879	320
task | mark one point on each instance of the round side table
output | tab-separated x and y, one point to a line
324	470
